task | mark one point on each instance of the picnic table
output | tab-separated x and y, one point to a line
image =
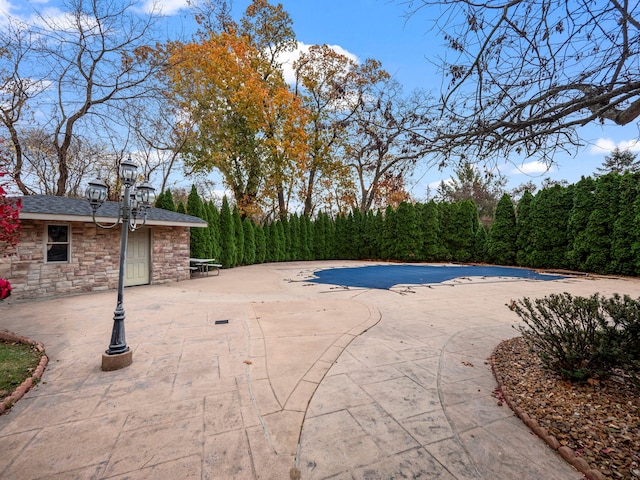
204	265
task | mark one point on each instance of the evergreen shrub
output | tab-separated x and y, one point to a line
582	337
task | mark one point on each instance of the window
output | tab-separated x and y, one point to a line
57	243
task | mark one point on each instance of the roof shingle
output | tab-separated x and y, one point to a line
48	205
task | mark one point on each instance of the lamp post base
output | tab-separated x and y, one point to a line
117	361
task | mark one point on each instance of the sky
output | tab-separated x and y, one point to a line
408	50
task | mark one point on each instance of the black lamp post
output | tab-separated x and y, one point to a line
133	206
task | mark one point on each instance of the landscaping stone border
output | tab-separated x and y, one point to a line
25	386
503	395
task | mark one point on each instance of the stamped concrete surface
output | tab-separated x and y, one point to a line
253	372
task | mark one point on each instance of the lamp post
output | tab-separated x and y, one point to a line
133	205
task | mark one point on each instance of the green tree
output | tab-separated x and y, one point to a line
227	236
458	225
481	245
467	222
484	188
388	233
271	240
280	243
249	241
525	240
550	210
165	201
620	161
625	234
409	238
181	208
578	244
295	234
261	244
503	233
606	204
372	225
320	237
198	241
357	243
342	237
430	226
306	236
238	232
214	216
446	213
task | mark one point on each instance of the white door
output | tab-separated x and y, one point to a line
138	258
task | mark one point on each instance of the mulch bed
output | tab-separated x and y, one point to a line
599	420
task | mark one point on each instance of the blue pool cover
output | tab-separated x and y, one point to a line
386	276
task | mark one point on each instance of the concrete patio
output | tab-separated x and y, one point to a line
338	383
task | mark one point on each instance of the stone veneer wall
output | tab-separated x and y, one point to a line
170	252
95	257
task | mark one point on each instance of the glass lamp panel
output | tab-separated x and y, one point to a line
96	191
145	194
128	171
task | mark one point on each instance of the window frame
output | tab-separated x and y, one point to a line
47	243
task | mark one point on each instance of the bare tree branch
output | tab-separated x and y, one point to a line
527	73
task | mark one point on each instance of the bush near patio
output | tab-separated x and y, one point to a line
582	338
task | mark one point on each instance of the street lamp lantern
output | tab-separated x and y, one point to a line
96	193
128	171
145	194
133	206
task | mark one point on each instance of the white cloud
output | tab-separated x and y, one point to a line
531	167
165	7
606	145
287	59
433	186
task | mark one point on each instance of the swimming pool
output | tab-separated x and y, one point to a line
386	276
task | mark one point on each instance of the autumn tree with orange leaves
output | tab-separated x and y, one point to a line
332	87
248	125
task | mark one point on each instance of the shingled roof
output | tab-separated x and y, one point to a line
53	208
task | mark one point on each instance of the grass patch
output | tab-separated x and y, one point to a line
17	363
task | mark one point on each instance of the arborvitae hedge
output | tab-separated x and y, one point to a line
227	236
213	230
198	242
481	245
238	232
501	247
593	225
306	235
165	201
319	240
578	247
550	211
524	241
388	232
408	233
599	231
430	228
250	248
261	244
